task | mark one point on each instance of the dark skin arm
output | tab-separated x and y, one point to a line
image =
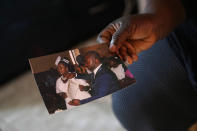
84	88
130	35
74	102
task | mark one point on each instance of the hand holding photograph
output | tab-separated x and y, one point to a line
78	76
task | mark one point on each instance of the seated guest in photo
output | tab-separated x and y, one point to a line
104	80
67	86
117	67
125	77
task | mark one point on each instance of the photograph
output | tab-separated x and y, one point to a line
78	76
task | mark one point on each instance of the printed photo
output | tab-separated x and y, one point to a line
71	78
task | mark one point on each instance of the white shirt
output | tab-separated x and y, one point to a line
71	88
119	71
96	69
61	86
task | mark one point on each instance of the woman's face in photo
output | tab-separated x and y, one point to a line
62	69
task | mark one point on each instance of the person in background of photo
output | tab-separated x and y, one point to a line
117	67
124	76
105	81
67	86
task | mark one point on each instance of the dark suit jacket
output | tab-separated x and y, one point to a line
105	82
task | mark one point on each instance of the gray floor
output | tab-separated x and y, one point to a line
22	109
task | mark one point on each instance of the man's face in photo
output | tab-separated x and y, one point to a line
90	63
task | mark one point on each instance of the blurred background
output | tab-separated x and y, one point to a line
40	27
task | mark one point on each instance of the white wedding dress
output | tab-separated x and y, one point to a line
71	88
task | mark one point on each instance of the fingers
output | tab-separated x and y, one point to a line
127	53
114	35
124	54
106	34
75	102
117	39
131	50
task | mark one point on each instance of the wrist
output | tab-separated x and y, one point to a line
166	15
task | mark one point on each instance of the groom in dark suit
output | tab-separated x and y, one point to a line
104	81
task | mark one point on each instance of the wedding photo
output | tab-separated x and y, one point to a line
78	76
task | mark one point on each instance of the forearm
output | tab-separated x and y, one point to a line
166	14
104	88
101	93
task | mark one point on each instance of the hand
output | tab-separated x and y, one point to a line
129	35
63	95
81	88
74	102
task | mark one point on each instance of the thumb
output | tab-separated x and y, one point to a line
106	34
117	39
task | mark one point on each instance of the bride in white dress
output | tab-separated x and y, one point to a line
67	86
